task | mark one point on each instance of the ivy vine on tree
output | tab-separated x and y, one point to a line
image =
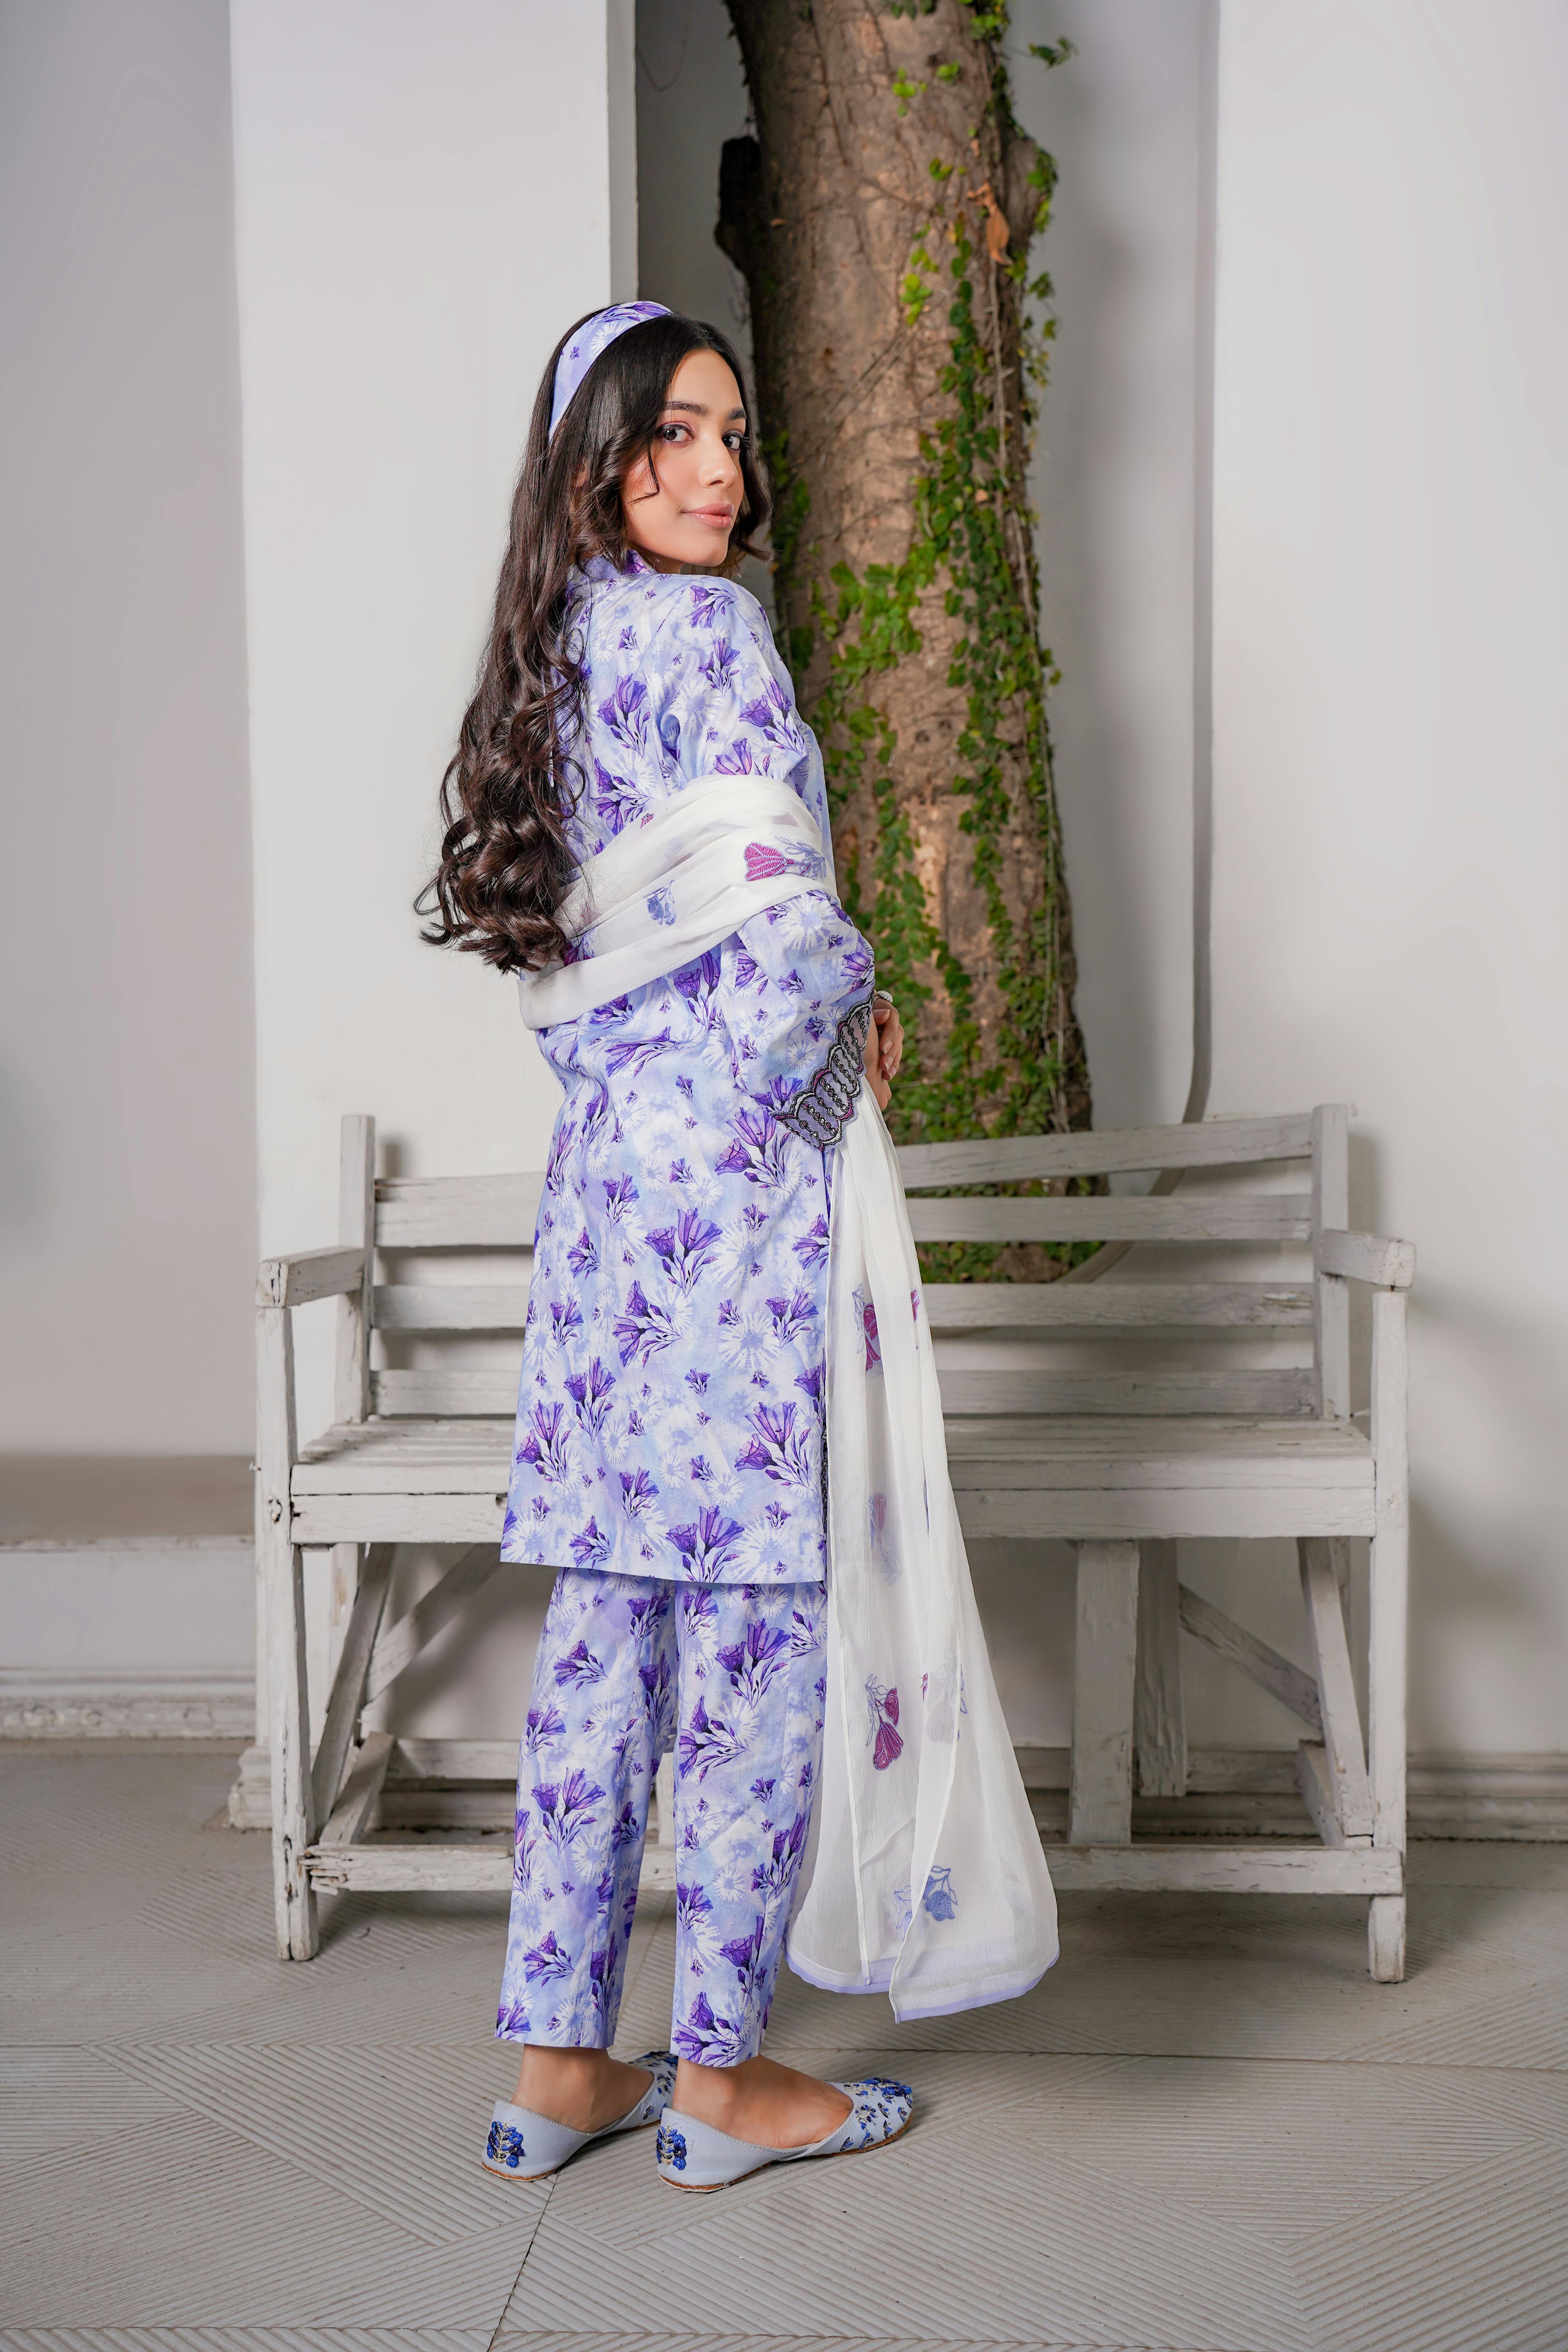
883	216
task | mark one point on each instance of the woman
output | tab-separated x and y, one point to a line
636	825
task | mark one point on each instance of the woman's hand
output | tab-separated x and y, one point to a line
884	1051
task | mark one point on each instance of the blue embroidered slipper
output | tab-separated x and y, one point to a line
525	2147
693	2155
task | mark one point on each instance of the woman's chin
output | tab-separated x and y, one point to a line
709	551
699	550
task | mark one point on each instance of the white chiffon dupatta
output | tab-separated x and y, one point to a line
928	1880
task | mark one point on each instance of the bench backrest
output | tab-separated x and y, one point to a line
1217	1307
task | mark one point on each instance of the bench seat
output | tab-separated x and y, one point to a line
1022	1474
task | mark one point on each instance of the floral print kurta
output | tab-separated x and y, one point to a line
670	1412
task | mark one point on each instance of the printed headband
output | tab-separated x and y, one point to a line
594	336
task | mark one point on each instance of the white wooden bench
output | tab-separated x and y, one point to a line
1122	1460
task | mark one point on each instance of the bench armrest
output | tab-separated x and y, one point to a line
1367	1257
310	1274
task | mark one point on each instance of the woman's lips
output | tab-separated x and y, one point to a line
720	515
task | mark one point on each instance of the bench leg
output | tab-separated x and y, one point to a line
1385	1938
281	1566
294	1901
1159	1723
1388	1599
1099	1804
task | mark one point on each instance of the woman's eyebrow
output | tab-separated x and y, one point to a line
700	408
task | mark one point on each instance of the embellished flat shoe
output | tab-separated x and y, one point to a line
693	2155
525	2147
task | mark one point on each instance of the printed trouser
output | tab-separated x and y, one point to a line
732	1677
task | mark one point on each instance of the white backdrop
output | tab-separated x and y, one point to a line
1390	724
424	201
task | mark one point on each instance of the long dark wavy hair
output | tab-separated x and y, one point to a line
505	865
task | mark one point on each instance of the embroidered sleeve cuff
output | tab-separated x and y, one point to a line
820	1110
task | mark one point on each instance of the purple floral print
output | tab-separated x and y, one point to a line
627	1667
671	1386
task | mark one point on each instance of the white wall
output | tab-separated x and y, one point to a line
424	205
1114	483
127	1191
1391	713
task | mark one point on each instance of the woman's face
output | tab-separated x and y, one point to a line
680	508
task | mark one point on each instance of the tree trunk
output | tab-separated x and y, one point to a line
882	218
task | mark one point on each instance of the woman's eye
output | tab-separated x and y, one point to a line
671	431
735	442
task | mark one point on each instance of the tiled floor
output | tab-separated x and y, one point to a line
1207	2128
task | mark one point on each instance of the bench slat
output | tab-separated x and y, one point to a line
1087	1514
1110	1217
1181	1451
1073	1514
489	1392
459	1306
1023	1389
1247	1867
949	1307
1114	1306
1215	1143
477	1391
471	1456
456	1212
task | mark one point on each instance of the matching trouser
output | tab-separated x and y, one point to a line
732	1677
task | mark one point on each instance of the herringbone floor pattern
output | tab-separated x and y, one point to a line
1207	2129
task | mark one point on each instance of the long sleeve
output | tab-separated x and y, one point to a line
797	993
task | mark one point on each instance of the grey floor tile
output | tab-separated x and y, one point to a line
244	2339
1205	2131
624	2341
630	2340
1473	2264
